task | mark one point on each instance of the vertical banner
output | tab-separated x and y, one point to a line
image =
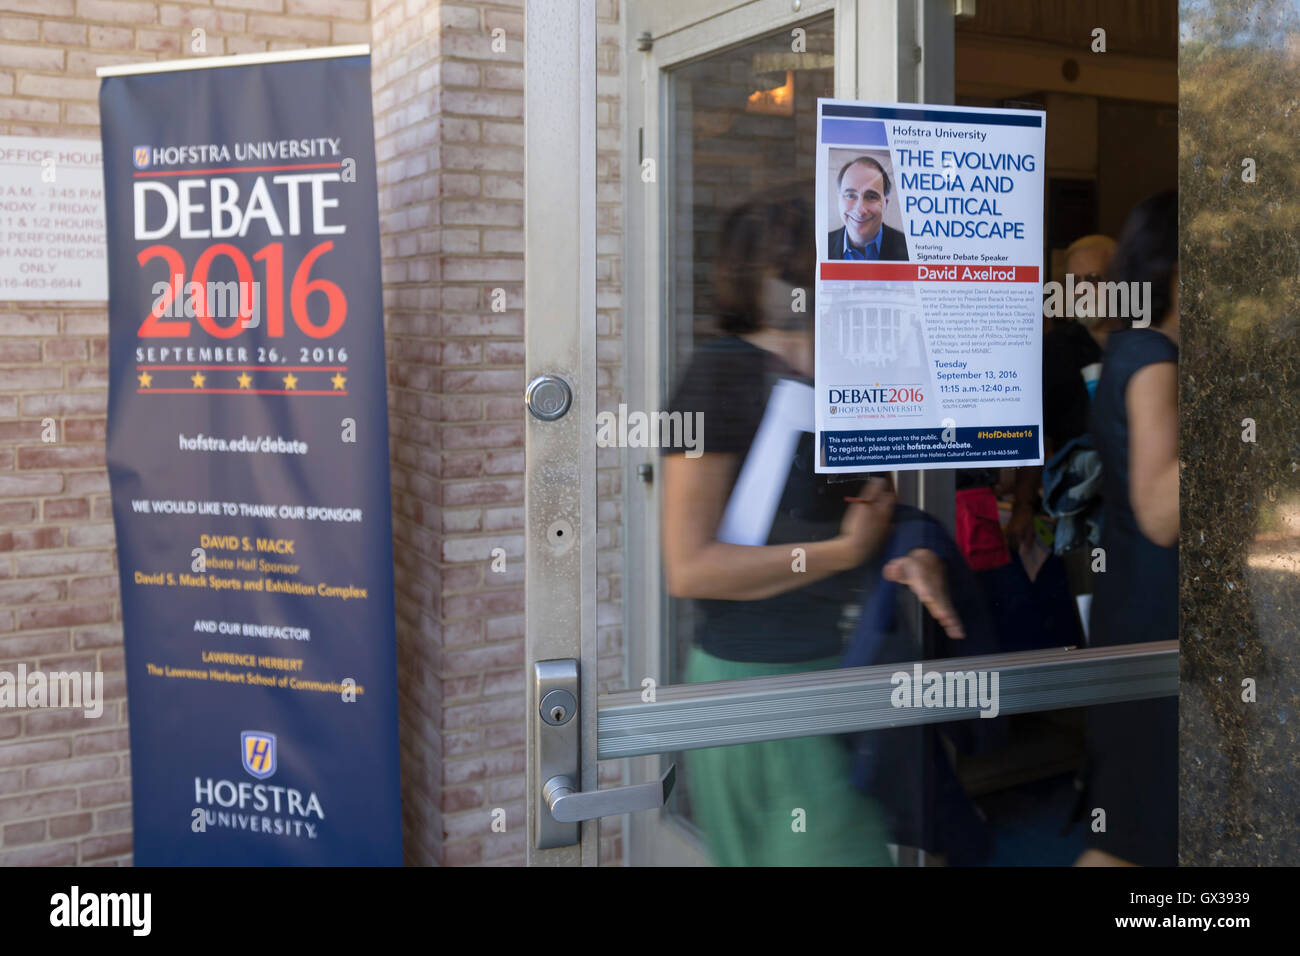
248	456
929	286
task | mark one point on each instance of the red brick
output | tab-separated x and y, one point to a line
25	592
117	11
110	741
57	31
79	62
321	9
455	799
63	615
104	585
111	38
106	794
82	482
58	457
67	662
97	847
72	825
29	325
71	562
18	486
35	539
118	818
484	605
177	16
55	509
344	33
72	771
30	57
65	403
58	87
14	513
504	736
158	41
33	645
293	28
473	659
20	352
271	6
18	378
44	854
16	28
29	805
18	834
512	761
85	638
91	535
42	722
112	661
65	350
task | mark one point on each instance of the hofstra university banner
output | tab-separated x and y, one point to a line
248	455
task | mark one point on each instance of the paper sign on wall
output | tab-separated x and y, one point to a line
52	219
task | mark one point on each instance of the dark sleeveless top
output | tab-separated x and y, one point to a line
730	381
1136	599
1132	746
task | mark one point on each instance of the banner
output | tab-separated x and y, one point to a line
248	457
929	287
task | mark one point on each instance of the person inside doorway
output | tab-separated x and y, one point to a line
1072	350
1133	746
778	606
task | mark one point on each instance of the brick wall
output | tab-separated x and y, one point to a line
449	146
64	780
610	383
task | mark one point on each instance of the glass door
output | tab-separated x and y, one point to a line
729	730
723	106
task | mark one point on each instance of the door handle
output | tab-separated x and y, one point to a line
569	805
560	803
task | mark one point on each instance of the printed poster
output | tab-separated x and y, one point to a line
929	287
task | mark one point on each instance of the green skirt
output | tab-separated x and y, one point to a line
780	802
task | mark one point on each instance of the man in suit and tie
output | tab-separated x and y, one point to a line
864	190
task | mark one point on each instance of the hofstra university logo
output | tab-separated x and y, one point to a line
140	156
256	807
258	752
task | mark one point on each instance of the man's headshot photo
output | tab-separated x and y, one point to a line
863	191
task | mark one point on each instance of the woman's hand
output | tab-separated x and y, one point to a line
697	565
866	522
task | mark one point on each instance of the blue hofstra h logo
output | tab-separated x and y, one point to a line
258	752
